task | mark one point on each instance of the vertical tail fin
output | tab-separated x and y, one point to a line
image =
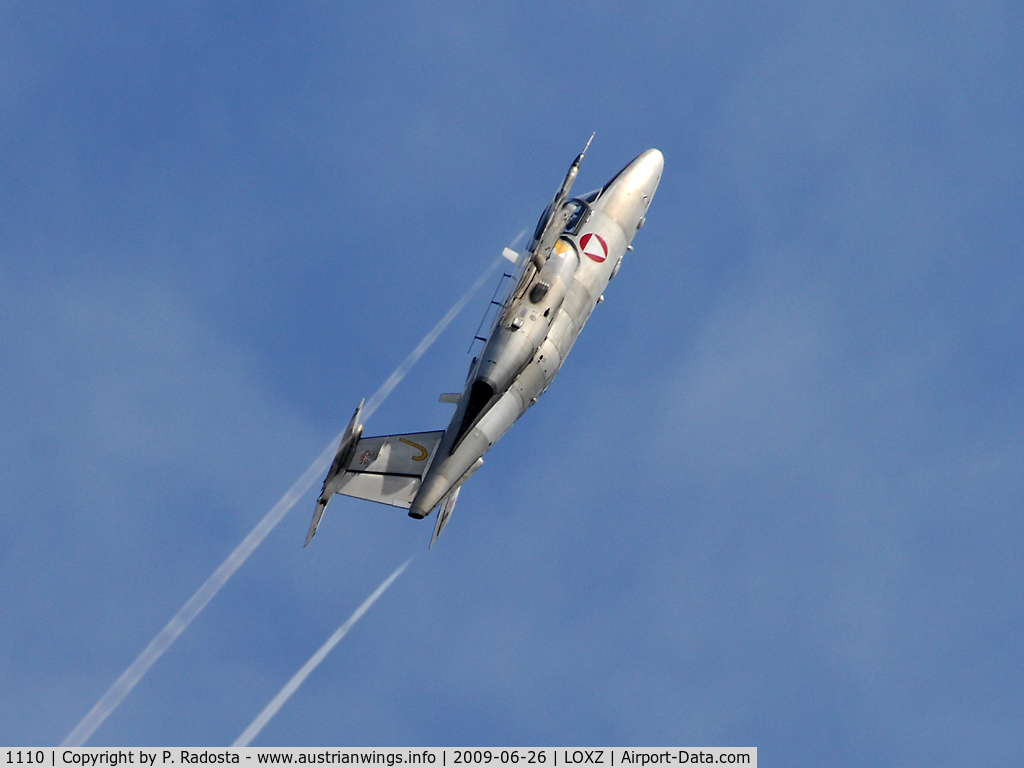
448	502
447	507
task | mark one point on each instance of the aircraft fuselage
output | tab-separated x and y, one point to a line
577	249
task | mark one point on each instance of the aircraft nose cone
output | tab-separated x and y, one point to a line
626	197
651	163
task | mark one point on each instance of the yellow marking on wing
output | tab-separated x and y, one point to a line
423	451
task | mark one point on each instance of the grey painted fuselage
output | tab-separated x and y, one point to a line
577	248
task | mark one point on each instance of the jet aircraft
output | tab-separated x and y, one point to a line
576	249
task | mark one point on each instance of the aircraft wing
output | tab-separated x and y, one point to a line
387	469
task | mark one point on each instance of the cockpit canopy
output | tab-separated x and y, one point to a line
577	211
544	218
577	217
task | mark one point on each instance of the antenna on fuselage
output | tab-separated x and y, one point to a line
555	217
570	177
588	144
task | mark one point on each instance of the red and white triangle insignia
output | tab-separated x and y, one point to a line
594	246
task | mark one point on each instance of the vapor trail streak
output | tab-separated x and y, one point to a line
292	685
430	338
179	623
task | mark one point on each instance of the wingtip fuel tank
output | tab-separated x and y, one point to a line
577	248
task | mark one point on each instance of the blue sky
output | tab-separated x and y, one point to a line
773	498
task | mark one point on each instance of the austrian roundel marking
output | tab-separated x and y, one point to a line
594	246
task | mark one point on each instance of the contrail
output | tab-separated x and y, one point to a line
179	623
123	685
292	685
430	338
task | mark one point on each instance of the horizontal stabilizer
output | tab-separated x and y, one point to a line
387	469
450	397
318	513
349	440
